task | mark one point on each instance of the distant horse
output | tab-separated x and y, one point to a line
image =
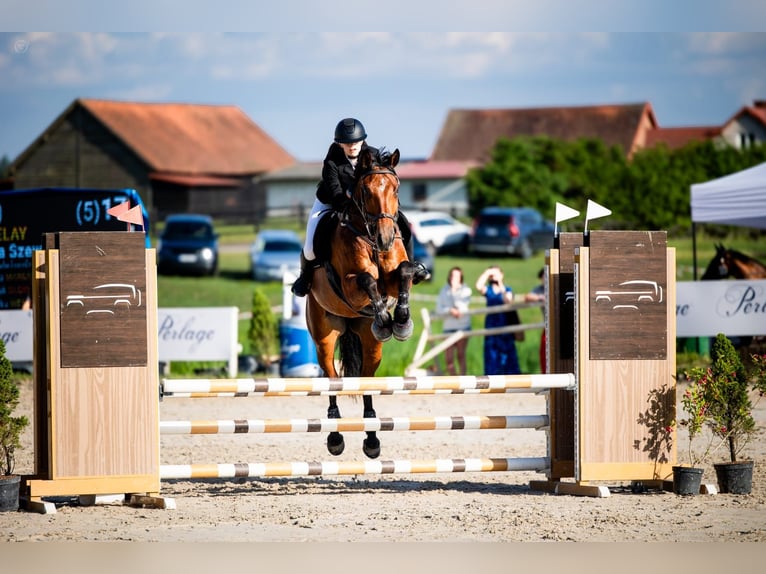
730	263
366	273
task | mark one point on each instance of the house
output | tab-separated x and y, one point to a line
424	185
179	157
470	135
745	128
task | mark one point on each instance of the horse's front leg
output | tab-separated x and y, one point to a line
382	324
403	325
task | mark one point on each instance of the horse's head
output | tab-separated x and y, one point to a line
376	196
718	268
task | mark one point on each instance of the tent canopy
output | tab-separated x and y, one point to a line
735	199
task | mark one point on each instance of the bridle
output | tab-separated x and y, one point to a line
370	220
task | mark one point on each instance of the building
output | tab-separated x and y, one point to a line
179	157
470	135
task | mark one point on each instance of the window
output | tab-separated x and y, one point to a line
419	192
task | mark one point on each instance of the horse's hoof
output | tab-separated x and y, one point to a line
403	331
371	447
335	443
382	334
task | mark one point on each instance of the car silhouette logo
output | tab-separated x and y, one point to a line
106	298
632	293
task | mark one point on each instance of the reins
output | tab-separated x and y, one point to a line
370	220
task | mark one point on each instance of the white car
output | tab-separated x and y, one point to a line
274	253
439	230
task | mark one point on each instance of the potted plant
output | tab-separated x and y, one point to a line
11	428
263	332
729	409
687	478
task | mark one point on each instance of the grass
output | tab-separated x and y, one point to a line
234	287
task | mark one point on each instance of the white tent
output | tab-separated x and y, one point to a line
735	199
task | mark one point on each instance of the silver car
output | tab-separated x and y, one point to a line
274	253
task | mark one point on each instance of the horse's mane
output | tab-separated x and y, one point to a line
744	258
383	159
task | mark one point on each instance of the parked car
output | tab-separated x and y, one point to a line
519	231
274	253
424	255
439	230
188	244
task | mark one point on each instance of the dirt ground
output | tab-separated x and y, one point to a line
464	507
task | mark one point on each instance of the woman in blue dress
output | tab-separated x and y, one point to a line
500	357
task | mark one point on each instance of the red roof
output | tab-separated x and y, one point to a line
190	138
675	138
471	134
195	180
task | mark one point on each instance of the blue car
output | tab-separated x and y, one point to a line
519	231
188	245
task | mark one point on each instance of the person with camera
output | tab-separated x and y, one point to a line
500	356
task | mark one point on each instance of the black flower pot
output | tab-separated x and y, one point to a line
734	477
687	480
9	492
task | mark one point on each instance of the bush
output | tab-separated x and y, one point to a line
10	427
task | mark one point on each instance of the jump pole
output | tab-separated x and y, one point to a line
202	388
445	465
470	422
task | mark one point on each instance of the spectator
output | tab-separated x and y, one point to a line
500	356
453	300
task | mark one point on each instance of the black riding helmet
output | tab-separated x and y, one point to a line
349	130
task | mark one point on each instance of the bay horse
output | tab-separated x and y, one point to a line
731	263
366	274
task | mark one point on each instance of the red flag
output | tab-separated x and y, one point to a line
118	210
133	216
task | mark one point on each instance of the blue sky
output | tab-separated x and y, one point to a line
297	85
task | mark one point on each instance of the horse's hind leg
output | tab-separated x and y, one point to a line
403	325
335	442
371	445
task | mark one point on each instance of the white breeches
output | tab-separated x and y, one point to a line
317	211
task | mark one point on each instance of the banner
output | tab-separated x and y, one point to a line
734	308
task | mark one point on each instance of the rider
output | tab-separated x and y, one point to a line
333	193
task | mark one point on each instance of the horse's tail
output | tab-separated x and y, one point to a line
350	346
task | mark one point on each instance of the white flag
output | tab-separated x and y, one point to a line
595	211
563	213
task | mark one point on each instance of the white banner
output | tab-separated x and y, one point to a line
731	307
17	333
184	334
198	334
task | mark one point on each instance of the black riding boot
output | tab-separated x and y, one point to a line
302	284
421	273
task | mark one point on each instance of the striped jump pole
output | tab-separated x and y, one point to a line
199	388
252	470
471	422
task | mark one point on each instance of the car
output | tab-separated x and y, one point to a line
424	255
440	230
274	253
188	244
519	231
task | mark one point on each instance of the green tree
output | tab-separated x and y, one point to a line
263	333
10	426
5	163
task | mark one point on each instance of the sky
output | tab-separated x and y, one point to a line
401	85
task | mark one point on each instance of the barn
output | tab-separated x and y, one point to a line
178	157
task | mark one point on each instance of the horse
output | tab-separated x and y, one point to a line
364	276
731	263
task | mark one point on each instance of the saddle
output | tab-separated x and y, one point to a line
322	250
324	231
